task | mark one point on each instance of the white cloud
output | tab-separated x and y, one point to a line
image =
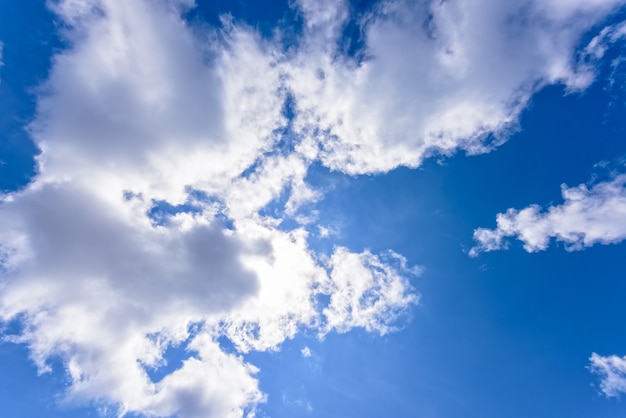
588	216
306	352
437	77
144	107
136	103
612	372
327	231
608	36
366	292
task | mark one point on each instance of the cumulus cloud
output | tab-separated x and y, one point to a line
612	372
139	100
145	113
141	109
587	216
436	77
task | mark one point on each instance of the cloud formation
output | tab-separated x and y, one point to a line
436	76
612	372
587	216
145	114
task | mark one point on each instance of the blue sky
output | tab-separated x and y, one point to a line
312	208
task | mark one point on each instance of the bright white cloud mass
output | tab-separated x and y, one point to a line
144	111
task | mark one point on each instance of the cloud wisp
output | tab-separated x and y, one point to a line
146	113
612	373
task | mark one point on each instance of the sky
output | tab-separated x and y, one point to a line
312	208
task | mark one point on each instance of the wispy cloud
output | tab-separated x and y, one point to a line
612	372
